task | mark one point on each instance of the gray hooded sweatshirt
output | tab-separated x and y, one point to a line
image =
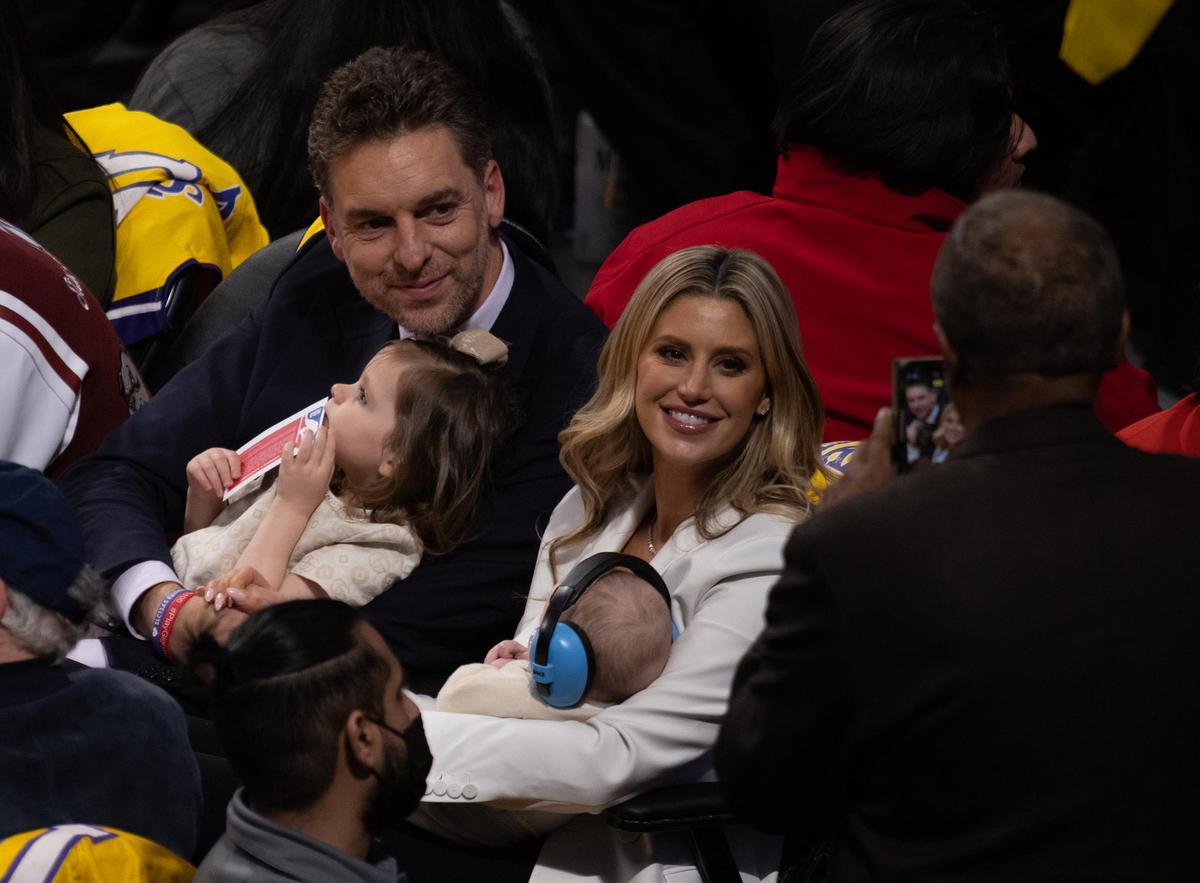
255	849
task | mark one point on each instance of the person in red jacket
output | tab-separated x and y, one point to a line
900	115
1173	431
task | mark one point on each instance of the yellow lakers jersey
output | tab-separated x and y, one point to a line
88	854
177	206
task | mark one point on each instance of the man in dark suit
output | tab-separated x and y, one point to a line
411	200
987	671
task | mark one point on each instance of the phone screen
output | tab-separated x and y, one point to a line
927	427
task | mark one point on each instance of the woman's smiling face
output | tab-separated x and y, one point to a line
700	381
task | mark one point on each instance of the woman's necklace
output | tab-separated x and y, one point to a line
650	535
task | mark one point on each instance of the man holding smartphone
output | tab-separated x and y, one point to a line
1025	705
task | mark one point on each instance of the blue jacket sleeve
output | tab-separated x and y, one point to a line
131	492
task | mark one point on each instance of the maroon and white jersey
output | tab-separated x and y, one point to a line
65	379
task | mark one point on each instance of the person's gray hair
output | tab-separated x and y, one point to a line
1027	284
45	632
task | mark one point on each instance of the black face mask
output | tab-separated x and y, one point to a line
402	782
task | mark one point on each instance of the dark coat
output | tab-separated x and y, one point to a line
988	670
83	745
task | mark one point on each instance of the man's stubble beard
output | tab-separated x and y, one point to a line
445	316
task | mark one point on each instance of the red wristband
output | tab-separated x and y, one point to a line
170	615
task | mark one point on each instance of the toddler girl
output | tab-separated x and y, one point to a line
396	470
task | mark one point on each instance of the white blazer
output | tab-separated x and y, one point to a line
662	735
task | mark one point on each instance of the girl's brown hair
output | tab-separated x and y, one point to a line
452	416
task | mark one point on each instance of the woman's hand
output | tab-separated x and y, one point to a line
505	652
304	478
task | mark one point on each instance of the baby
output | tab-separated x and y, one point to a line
629	629
397	470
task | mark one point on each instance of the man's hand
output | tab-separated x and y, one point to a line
870	468
304	478
142	614
505	652
222	627
193	619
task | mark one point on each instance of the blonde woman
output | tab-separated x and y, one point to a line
698	453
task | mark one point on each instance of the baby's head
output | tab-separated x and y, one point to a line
629	629
450	411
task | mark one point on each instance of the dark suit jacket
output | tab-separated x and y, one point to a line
315	330
989	670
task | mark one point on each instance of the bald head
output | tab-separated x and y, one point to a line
1028	285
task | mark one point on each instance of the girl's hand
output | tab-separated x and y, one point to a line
505	652
244	587
209	474
304	478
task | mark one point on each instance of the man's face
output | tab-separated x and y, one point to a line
920	400
1008	172
406	761
414	225
399	711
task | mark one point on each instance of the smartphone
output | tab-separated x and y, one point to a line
926	426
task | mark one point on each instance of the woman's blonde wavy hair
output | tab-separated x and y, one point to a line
604	449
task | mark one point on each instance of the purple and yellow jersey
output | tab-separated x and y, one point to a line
177	205
88	854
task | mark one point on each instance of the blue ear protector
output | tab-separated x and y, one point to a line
562	662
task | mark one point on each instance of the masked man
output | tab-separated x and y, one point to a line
308	702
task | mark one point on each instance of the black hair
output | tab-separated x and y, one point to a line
388	92
1026	284
265	122
281	691
917	91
